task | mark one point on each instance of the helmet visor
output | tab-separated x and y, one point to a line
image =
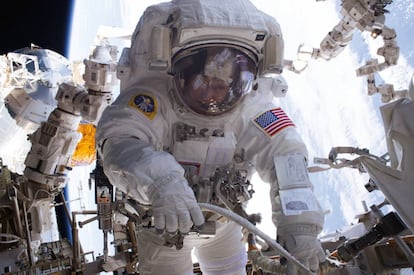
212	80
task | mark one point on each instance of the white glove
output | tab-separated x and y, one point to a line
174	205
301	241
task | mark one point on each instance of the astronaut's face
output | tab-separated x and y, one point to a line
207	91
211	81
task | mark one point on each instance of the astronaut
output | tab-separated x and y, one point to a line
195	98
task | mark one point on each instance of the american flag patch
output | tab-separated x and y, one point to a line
273	121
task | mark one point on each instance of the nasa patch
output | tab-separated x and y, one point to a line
146	104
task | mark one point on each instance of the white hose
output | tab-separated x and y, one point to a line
11	238
251	228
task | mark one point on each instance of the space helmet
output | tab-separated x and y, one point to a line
213	49
212	79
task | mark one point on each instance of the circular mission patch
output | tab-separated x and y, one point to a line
146	104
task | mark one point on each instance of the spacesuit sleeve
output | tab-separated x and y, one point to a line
281	160
129	140
291	191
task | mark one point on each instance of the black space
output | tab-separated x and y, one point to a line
45	23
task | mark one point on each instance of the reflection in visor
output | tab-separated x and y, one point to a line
208	91
211	81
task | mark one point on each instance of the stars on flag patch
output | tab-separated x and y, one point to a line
273	121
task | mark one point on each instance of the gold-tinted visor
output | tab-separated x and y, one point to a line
212	80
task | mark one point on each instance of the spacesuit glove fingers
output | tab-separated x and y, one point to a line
321	253
313	253
171	222
159	221
184	222
306	248
173	199
294	269
197	216
317	255
321	256
313	263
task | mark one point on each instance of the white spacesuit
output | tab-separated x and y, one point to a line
195	98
